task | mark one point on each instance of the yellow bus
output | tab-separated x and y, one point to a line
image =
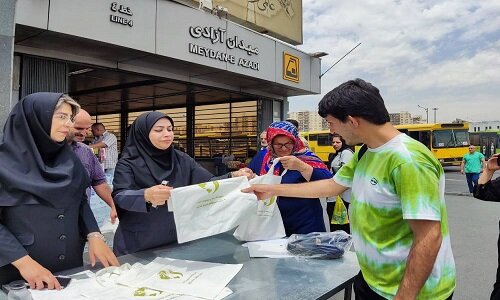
320	142
449	142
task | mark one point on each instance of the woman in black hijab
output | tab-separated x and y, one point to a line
45	218
149	158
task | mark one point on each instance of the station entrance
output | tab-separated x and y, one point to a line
209	122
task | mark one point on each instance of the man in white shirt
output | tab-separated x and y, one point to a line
104	139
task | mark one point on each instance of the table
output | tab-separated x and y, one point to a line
260	278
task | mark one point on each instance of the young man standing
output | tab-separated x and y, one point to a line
399	220
472	165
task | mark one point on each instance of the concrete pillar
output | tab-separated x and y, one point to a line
7	31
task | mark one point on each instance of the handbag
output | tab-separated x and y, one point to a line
340	215
264	223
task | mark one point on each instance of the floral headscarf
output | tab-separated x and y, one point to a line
299	150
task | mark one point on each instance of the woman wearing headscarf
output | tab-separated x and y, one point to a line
45	218
300	215
343	154
148	159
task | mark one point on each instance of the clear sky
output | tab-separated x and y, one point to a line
443	54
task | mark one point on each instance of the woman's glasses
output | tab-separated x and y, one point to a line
286	145
64	118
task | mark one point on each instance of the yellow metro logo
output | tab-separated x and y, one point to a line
291	67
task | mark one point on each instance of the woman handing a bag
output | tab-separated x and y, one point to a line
300	215
149	159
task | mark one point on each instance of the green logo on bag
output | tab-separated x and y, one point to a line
169	274
143	292
210	187
271	201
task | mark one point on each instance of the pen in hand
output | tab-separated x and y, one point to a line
164	183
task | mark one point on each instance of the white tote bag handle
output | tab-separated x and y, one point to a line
271	169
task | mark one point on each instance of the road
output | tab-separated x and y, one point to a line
474	233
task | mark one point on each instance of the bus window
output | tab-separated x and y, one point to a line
474	139
462	137
313	137
414	134
324	140
443	139
425	138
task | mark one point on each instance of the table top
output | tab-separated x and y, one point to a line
260	278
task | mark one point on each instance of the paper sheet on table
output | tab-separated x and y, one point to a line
271	248
194	278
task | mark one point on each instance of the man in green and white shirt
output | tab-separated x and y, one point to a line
399	221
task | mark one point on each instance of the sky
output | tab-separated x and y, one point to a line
436	54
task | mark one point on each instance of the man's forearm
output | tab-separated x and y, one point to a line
420	261
98	145
313	189
104	192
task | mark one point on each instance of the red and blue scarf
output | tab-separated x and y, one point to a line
299	150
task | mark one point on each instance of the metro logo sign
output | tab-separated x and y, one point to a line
291	67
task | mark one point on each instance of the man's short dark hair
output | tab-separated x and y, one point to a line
355	98
98	125
294	122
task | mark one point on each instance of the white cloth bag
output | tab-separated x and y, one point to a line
265	223
210	208
194	278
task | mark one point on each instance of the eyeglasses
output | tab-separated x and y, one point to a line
287	145
64	118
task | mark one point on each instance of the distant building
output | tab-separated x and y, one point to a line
484	125
401	118
417	119
309	120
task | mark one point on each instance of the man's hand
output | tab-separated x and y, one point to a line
35	274
157	195
262	191
113	215
98	249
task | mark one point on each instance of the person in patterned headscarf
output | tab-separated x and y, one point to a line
300	215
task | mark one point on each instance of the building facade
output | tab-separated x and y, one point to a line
309	120
484	126
401	118
220	81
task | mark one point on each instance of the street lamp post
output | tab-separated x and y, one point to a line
435	109
426	113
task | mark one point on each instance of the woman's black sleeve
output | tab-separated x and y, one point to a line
489	191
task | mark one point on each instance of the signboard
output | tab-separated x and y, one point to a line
291	67
198	37
279	18
126	23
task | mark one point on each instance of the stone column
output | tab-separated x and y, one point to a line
7	31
